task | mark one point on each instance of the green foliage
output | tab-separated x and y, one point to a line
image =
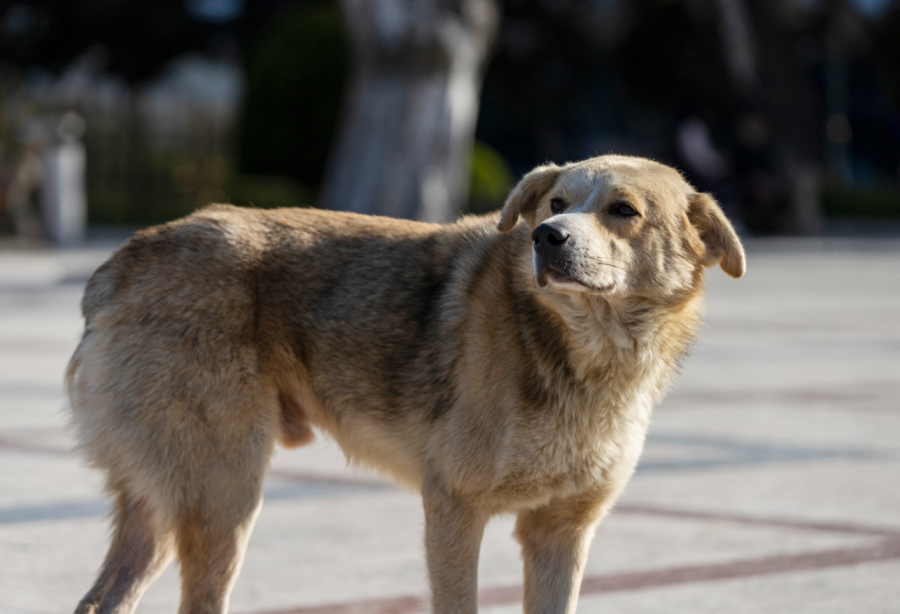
844	201
295	79
266	192
490	179
152	185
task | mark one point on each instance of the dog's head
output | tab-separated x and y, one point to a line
620	226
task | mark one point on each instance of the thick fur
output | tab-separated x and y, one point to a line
462	361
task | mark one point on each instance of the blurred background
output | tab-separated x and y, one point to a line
122	113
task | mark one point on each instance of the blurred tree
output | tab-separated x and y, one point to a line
550	88
295	79
577	78
137	37
410	111
785	90
787	40
887	45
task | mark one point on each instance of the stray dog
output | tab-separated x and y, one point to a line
496	372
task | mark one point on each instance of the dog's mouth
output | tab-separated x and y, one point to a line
556	277
561	280
561	275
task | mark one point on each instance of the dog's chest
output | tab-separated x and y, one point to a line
587	442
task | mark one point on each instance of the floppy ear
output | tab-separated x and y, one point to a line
719	238
524	198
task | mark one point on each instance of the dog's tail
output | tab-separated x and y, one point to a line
99	290
70	372
76	396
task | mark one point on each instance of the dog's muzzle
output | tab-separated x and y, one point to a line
550	259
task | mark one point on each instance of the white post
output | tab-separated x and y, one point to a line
64	202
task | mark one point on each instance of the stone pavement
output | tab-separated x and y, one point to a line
770	483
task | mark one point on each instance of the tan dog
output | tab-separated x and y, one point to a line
509	371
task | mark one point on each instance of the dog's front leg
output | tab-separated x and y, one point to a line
555	540
453	530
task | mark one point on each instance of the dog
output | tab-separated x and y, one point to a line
501	364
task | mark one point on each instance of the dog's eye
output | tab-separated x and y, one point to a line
557	205
623	209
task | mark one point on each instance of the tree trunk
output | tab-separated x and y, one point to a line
761	47
409	115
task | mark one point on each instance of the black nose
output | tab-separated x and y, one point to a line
547	237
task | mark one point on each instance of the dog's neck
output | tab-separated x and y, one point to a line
629	335
620	345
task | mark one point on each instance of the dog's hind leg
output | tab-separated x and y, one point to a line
141	549
211	546
212	529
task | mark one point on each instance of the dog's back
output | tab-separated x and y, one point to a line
197	357
188	317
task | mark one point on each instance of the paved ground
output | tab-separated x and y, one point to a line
771	480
